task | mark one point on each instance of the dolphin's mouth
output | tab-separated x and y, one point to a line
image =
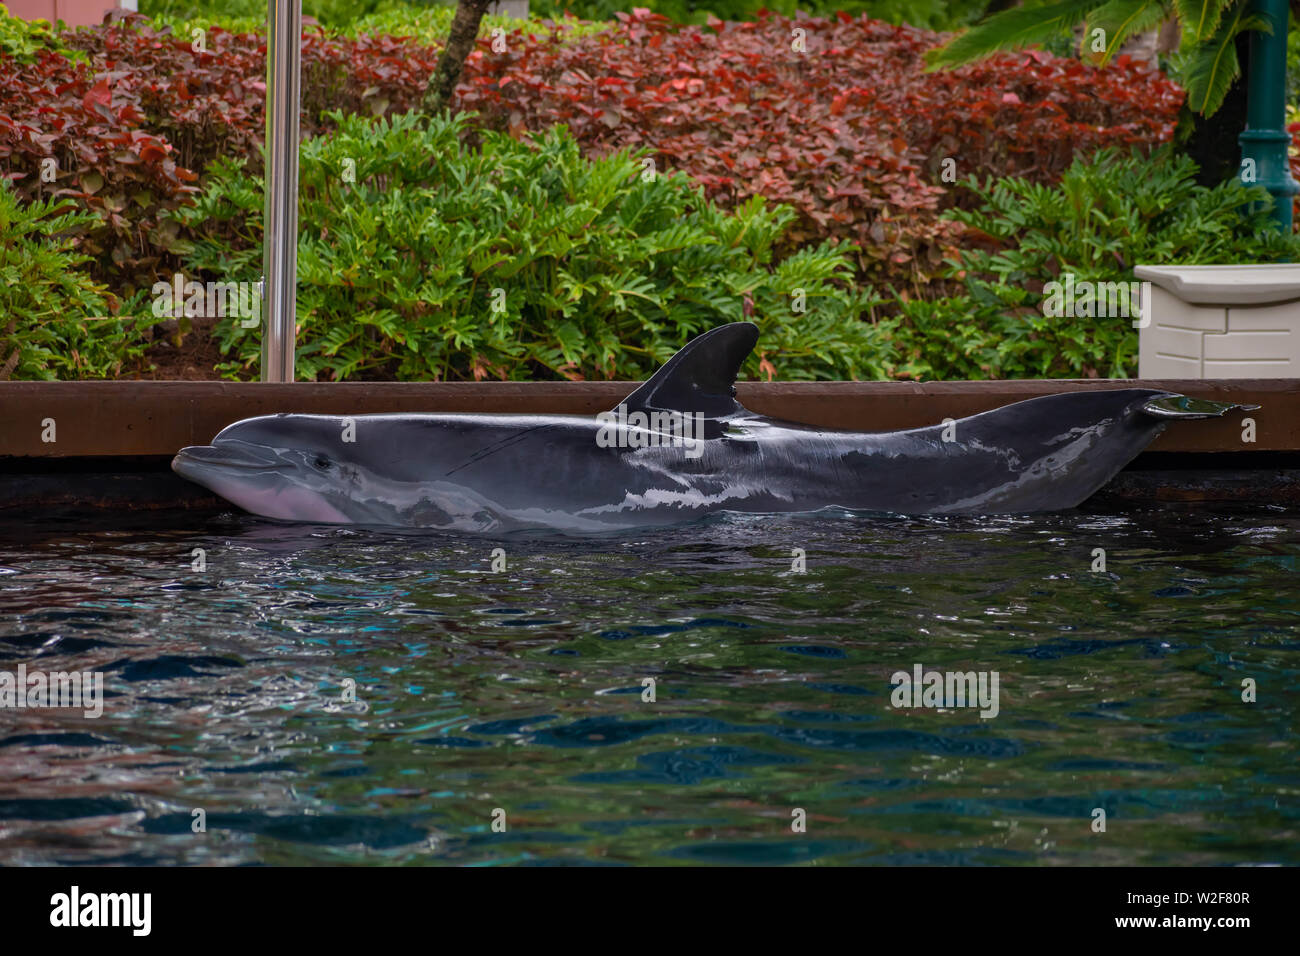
231	455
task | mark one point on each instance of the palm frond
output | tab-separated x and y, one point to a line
1213	66
1121	19
1200	18
1011	30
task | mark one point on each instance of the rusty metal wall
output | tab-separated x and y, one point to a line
157	418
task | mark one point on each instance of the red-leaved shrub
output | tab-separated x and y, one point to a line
130	132
57	109
850	129
836	117
212	102
1294	130
207	103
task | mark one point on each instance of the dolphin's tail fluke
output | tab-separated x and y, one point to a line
1181	406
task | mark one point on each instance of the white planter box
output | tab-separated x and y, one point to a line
1220	322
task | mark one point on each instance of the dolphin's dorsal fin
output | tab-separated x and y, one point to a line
701	377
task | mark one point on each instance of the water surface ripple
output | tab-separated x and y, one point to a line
522	689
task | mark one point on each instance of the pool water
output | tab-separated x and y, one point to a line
502	716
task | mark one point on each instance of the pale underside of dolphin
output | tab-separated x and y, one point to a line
680	448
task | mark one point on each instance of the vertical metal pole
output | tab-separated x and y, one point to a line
280	245
1265	139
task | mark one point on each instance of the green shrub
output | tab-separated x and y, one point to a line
327	12
428	23
241	16
55	321
21	39
1108	214
930	14
520	260
948	338
395	16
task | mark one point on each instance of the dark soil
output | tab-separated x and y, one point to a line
194	359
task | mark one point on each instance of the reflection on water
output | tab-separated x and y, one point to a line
523	689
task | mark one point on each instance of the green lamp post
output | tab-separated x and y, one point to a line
1264	142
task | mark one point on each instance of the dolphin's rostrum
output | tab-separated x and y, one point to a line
681	447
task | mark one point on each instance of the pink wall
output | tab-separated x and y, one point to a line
75	13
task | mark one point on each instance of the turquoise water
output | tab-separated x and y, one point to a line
521	691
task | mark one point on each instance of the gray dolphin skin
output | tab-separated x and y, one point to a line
678	448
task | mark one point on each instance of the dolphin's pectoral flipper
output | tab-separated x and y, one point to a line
701	377
1181	406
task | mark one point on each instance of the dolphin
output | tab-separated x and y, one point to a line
680	447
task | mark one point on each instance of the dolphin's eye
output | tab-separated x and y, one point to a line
322	462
